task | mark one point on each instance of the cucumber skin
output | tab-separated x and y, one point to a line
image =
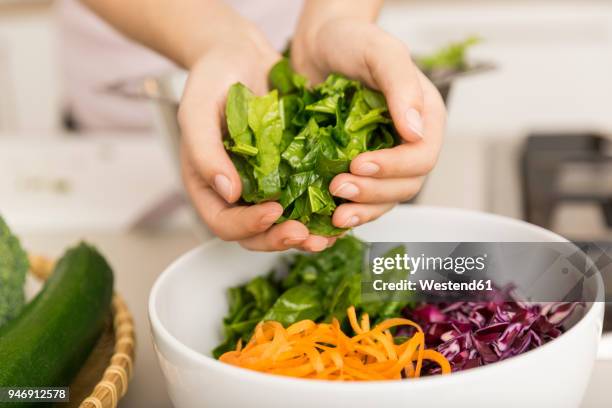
46	345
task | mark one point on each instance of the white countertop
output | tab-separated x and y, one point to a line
88	183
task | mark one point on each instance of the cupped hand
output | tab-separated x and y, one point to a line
378	180
210	177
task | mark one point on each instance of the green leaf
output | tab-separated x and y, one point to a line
289	148
263	291
374	99
301	302
247	178
298	184
336	84
283	78
265	120
345	295
327	105
244	149
321	201
295	152
236	114
322	225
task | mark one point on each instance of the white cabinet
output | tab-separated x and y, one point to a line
554	61
29	74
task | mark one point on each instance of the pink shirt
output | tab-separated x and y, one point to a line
94	54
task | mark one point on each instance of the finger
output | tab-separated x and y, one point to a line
382	62
406	160
371	190
409	159
200	117
317	243
352	215
226	222
286	235
395	74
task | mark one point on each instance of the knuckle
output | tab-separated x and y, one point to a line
218	232
411	191
252	227
428	166
216	227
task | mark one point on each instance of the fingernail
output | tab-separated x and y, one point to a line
223	186
351	222
269	218
415	121
346	190
293	241
368	169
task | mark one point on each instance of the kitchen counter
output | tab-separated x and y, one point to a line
139	257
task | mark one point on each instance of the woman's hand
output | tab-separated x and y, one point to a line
326	42
209	175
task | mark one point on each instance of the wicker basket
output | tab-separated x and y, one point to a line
103	379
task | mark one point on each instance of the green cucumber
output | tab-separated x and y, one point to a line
46	345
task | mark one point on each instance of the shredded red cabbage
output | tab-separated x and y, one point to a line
472	334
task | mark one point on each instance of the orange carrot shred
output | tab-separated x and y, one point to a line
323	351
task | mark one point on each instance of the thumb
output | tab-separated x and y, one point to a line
200	122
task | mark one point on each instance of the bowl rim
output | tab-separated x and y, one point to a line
158	329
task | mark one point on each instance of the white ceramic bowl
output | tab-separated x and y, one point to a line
188	302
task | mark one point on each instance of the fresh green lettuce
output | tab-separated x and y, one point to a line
289	144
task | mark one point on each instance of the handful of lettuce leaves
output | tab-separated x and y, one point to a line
289	144
317	287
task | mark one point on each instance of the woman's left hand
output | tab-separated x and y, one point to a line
360	49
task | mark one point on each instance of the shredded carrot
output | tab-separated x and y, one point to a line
323	351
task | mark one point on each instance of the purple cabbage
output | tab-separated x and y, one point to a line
473	334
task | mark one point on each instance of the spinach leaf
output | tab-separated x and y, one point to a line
263	291
293	141
301	302
297	185
249	184
283	78
345	295
236	113
265	120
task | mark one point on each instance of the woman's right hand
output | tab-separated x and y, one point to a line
210	177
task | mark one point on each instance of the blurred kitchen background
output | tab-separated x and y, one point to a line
553	58
527	140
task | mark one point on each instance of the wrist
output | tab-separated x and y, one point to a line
247	39
318	14
211	25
